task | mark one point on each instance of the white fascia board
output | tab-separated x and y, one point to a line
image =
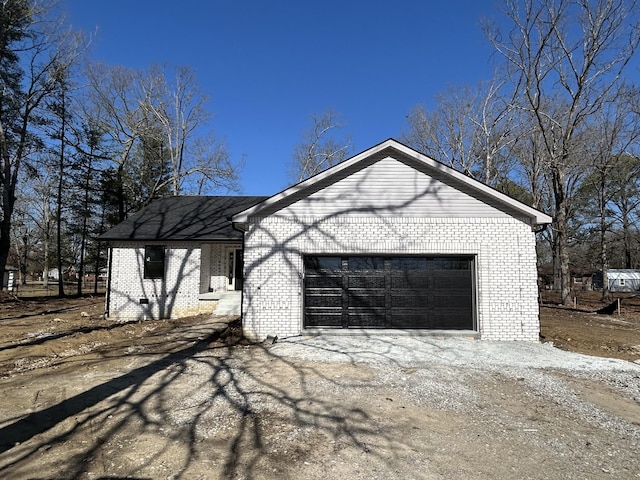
538	217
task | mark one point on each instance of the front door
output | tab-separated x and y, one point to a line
234	269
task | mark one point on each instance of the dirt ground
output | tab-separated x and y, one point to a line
82	397
579	329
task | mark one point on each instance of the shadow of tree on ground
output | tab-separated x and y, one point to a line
217	405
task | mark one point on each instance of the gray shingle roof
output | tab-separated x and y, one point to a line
184	218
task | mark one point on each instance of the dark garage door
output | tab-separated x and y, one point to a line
389	292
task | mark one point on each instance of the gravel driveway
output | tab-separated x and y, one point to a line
425	350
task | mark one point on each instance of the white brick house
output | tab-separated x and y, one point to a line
175	257
390	239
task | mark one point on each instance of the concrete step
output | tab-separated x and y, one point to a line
228	304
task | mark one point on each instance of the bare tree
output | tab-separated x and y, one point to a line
58	126
180	112
565	58
615	130
319	148
624	183
214	169
529	168
33	46
470	130
119	97
24	239
157	128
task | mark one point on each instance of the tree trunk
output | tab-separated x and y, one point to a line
59	197
25	257
626	234
85	220
8	202
97	270
560	226
120	193
8	195
555	260
565	274
81	263
59	234
5	241
98	246
604	257
45	273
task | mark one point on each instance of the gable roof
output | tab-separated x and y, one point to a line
391	148
184	218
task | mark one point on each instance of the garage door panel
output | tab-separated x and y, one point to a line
449	284
324	281
366	298
412	299
365	281
451	321
367	318
451	302
323	318
324	299
411	281
450	263
390	292
367	302
401	318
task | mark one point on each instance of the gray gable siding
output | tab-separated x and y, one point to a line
392	186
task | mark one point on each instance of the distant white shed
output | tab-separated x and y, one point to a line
624	280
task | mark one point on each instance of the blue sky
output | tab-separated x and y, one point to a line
269	65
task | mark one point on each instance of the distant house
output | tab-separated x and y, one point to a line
389	240
67	274
53	274
90	276
619	280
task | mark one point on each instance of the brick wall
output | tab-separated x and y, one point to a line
504	250
170	297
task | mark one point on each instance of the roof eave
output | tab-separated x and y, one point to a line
537	217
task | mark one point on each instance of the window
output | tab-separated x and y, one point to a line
621	282
409	263
154	261
451	263
323	263
366	263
